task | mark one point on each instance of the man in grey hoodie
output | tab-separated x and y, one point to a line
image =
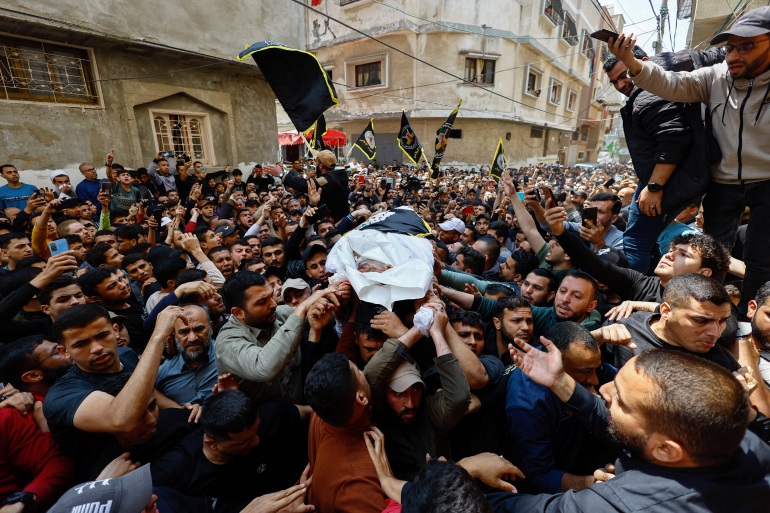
737	95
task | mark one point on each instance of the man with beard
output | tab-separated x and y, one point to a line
681	424
759	315
512	319
539	287
415	425
32	364
259	343
735	93
549	444
33	470
575	301
189	376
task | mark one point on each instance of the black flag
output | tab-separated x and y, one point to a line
442	136
407	141
498	162
319	130
365	141
298	80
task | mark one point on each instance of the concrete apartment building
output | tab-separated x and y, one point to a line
710	17
80	77
527	72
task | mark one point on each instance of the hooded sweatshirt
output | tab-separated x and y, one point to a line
739	110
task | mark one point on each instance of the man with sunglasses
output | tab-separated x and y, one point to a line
736	93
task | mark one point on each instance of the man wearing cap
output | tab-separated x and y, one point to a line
735	92
227	234
130	493
207	207
450	230
62	188
332	182
295	291
415	425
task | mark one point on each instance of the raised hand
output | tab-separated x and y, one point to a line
313	193
555	218
541	367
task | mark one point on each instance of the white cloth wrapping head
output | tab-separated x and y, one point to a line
409	260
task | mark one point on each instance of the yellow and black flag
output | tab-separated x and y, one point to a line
365	141
498	162
298	80
442	138
407	141
315	134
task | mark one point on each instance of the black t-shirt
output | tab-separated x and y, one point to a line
641	333
62	402
264	470
134	315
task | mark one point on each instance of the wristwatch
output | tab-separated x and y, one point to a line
26	498
654	187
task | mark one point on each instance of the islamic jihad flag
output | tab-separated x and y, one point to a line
318	131
365	141
442	136
298	80
498	163
407	141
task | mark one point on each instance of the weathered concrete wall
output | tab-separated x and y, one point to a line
220	29
241	109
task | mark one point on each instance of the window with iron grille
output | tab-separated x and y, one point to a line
369	74
480	71
535	133
45	72
183	133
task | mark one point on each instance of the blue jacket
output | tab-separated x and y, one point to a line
742	485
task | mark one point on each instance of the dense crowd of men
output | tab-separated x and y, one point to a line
173	338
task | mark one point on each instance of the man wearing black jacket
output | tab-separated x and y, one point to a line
332	182
661	142
681	422
659	138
